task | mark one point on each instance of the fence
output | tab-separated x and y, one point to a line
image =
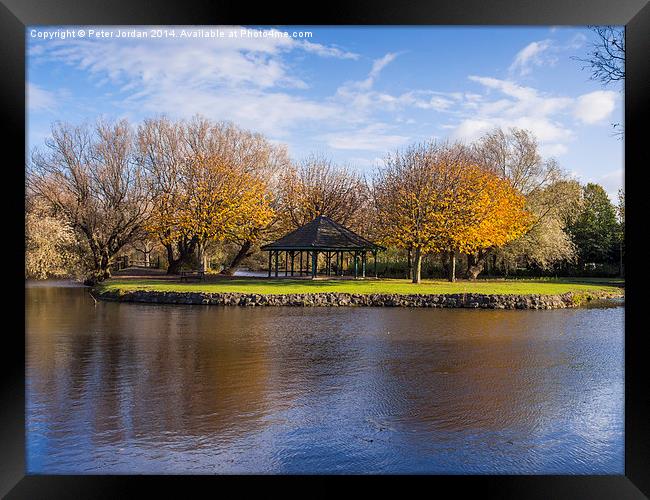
123	261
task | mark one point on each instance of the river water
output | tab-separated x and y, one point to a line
141	388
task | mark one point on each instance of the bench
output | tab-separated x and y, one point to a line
193	274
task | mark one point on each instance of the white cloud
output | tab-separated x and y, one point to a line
544	128
381	63
577	41
272	113
377	66
360	95
39	99
324	51
544	53
373	137
518	106
192	62
243	79
595	106
553	149
509	88
533	54
471	129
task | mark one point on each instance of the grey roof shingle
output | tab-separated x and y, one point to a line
322	234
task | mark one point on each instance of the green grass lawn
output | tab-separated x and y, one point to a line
544	286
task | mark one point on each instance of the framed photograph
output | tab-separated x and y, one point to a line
384	241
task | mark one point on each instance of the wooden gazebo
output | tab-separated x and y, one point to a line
321	236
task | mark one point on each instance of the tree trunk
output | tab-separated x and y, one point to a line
101	269
200	248
409	264
475	265
452	266
185	251
445	263
244	251
104	272
173	264
417	265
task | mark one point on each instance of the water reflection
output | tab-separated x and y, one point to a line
161	389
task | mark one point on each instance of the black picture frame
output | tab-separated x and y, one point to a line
15	15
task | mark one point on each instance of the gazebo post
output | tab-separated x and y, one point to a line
363	265
277	258
292	261
300	267
286	263
270	263
314	263
356	266
374	255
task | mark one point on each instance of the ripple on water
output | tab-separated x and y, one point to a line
169	389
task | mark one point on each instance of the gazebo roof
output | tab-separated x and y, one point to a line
322	234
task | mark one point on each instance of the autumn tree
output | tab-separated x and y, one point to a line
51	246
514	155
547	243
91	178
166	144
317	186
409	195
253	155
213	202
429	198
492	213
162	150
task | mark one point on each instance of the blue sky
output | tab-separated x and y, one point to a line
351	93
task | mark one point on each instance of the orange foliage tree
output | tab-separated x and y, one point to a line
167	147
489	213
429	198
212	202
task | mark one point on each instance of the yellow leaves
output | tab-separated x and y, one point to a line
213	202
440	206
492	212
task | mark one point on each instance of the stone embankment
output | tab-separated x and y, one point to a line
335	299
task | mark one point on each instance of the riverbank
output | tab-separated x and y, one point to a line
484	294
